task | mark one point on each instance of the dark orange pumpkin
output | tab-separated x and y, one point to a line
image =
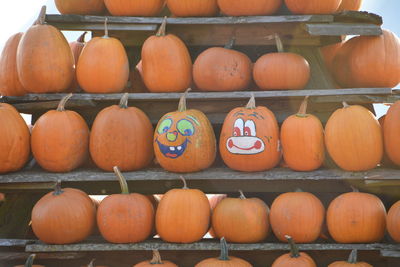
214	200
167	66
391	126
241	220
351	262
249	7
135	8
297	214
393	221
302	139
29	262
308	7
81	7
356	218
125	217
44	47
9	81
103	65
350	5
64	216
76	48
193	8
249	139
183	215
60	139
353	138
294	258
184	140
155	262
14	139
121	136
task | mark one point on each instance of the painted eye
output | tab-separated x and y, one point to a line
238	127
164	126
185	127
249	128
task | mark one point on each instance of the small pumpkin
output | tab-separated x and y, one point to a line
309	7
353	5
155	261
76	47
135	8
351	262
193	8
393	221
294	258
29	262
249	7
81	7
391	125
214	200
176	220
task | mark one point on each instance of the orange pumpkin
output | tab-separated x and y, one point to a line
135	8
103	65
44	47
167	66
353	5
76	48
183	215
60	139
81	7
241	220
393	221
351	262
14	139
297	214
155	261
356	218
214	200
308	7
328	53
391	126
224	260
29	262
9	81
353	138
193	8
121	136
64	216
184	140
294	258
126	217
249	7
302	139
249	139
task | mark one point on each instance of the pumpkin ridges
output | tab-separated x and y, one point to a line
77	47
135	8
193	8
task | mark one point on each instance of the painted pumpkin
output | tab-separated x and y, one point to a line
249	139
214	200
353	5
135	8
249	7
184	140
294	258
81	7
155	262
356	218
76	48
391	126
351	262
393	221
193	8
29	262
309	7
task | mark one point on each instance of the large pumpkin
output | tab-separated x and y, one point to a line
351	262
77	47
60	139
391	127
193	8
81	7
308	7
126	217
294	258
353	138
249	139
45	63
121	136
350	5
29	262
64	216
9	80
356	218
103	65
249	7
167	66
302	139
135	8
14	139
155	262
241	220
183	215
184	140
393	221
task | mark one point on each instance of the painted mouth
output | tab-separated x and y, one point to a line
245	145
172	152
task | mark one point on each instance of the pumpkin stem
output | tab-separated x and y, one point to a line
81	38
231	43
345	105
156	257
298	190
303	108
61	105
184	182
182	101
294	250
91	263
252	102
353	257
105	28
161	30
123	103
224	250
42	16
122	181
278	42
242	196
57	188
29	261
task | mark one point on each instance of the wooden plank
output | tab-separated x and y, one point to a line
357	99
343	29
15	242
358	16
22	256
390	253
111	27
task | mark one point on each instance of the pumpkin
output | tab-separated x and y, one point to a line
155	261
14	140
308	7
352	63
183	215
302	139
44	47
393	221
121	136
249	139
9	81
126	217
29	262
281	70
351	262
328	53
167	66
353	138
60	139
135	8
356	217
76	48
249	7
103	65
391	126
193	8
294	258
81	7
353	5
224	260
241	220
184	140
214	200
222	69
64	216
297	214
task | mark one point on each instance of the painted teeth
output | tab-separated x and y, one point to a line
179	147
172	148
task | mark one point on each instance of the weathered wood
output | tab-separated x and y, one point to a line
390	253
357	99
343	29
358	16
15	242
22	256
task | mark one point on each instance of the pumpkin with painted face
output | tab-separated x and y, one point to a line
249	139
184	140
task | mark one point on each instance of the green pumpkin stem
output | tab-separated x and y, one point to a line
161	30
224	250
231	43
156	257
123	103
42	16
345	105
303	108
242	196
61	105
252	102
278	42
184	182
294	250
91	263
353	257
122	181
57	188
81	38
105	28
182	101
29	261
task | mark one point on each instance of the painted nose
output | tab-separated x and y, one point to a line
171	136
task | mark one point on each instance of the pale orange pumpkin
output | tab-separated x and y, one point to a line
76	47
81	7
135	8
391	126
353	5
308	7
249	7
